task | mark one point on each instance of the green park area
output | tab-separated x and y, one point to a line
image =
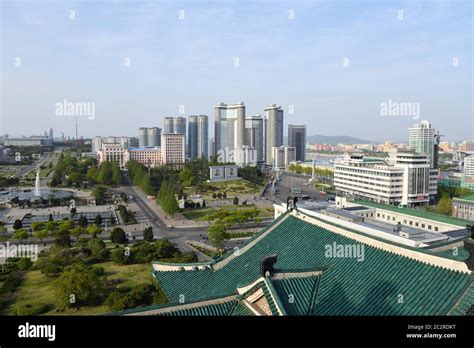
231	188
201	214
81	274
37	289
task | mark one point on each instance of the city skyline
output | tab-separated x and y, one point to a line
366	55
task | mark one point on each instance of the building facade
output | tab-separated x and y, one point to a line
463	208
31	141
283	156
99	140
112	153
145	156
254	135
173	148
273	130
297	139
198	135
405	178
469	167
423	139
229	126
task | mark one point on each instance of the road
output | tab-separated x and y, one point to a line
289	181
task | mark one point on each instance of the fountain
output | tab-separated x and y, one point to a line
37	184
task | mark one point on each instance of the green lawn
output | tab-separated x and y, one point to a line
231	188
198	214
37	288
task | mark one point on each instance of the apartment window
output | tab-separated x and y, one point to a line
411	222
416	224
405	222
429	227
422	225
436	229
393	218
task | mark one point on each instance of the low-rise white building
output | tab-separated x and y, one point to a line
404	178
112	153
146	156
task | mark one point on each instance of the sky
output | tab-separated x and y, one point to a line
330	64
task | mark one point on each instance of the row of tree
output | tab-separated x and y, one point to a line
166	198
320	172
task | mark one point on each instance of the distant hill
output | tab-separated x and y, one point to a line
333	139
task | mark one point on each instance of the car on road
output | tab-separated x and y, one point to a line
169	226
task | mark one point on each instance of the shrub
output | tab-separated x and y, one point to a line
118	236
31	309
24	264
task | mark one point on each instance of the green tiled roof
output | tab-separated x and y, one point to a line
417	213
469	199
219	309
298	294
347	286
458	254
241	310
466	302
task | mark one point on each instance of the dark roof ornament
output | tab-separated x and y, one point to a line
469	247
266	265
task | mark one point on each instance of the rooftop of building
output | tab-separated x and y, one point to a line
417	213
430	283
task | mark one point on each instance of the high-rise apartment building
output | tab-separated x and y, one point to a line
229	126
149	136
168	126
423	139
253	136
297	139
273	130
198	128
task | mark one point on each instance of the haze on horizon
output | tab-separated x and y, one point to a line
335	62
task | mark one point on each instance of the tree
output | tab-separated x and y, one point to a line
99	194
203	203
62	237
217	234
224	195
116	174
236	200
41	234
94	230
148	234
37	225
82	221
77	231
98	220
170	205
79	285
17	224
445	205
3	230
73	211
145	185
20	234
66	225
117	235
50	217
